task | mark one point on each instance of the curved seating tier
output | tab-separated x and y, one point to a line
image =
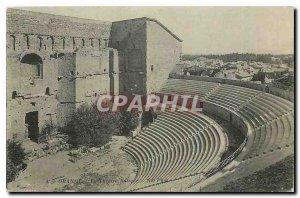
230	96
272	120
270	117
180	144
180	86
176	145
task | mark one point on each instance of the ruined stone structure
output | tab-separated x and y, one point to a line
56	63
148	51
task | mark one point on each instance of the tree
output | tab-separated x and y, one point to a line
15	156
128	122
147	118
260	76
91	128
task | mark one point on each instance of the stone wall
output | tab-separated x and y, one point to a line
286	94
91	75
34	23
163	53
27	92
114	72
57	63
229	116
73	63
129	38
66	86
215	110
148	52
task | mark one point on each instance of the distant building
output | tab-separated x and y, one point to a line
243	76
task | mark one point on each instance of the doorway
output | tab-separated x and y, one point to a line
32	125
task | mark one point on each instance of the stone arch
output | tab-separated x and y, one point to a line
32	65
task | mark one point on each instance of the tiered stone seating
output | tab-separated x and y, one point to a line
188	87
268	116
230	96
176	145
180	144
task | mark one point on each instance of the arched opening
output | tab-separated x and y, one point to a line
32	65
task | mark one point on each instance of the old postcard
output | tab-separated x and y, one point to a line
150	99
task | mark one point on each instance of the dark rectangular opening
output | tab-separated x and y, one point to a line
32	125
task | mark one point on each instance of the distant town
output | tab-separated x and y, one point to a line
276	70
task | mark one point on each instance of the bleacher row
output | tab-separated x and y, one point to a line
188	87
176	145
270	117
180	144
272	120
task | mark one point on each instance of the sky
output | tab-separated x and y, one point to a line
207	30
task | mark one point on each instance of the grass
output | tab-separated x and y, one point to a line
278	177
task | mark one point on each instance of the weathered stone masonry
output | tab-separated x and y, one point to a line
56	63
148	51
